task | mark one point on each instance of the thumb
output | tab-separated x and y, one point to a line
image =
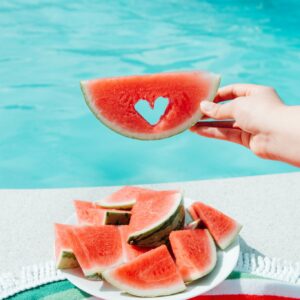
217	111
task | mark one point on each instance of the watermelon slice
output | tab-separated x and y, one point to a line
223	228
65	258
130	251
84	204
88	214
113	101
123	198
195	253
97	248
151	274
192	213
154	216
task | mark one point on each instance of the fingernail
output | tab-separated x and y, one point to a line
206	105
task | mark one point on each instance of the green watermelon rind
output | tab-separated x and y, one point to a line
66	260
96	272
215	79
161	235
158	234
94	276
117	217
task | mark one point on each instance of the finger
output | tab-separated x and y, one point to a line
228	134
218	111
204	117
233	91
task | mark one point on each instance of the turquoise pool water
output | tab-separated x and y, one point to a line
49	138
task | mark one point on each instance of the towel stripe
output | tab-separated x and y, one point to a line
242	297
253	287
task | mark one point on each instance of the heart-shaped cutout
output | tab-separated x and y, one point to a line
152	115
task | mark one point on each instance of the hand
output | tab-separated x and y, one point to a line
257	113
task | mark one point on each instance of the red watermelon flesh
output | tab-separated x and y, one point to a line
123	198
130	251
88	214
97	248
194	251
84	204
149	275
113	101
65	257
223	228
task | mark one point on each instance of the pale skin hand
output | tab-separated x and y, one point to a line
261	122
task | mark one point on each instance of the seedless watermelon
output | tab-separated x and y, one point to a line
89	214
154	216
151	274
113	101
97	248
65	258
223	228
195	253
123	198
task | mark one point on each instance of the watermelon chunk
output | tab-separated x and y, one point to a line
88	214
65	258
97	248
223	228
130	251
84	204
154	216
195	253
123	198
151	274
113	101
192	212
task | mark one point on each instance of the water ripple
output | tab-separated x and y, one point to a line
18	107
31	85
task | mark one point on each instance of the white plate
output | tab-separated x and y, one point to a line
226	262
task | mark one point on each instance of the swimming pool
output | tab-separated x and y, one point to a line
49	138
